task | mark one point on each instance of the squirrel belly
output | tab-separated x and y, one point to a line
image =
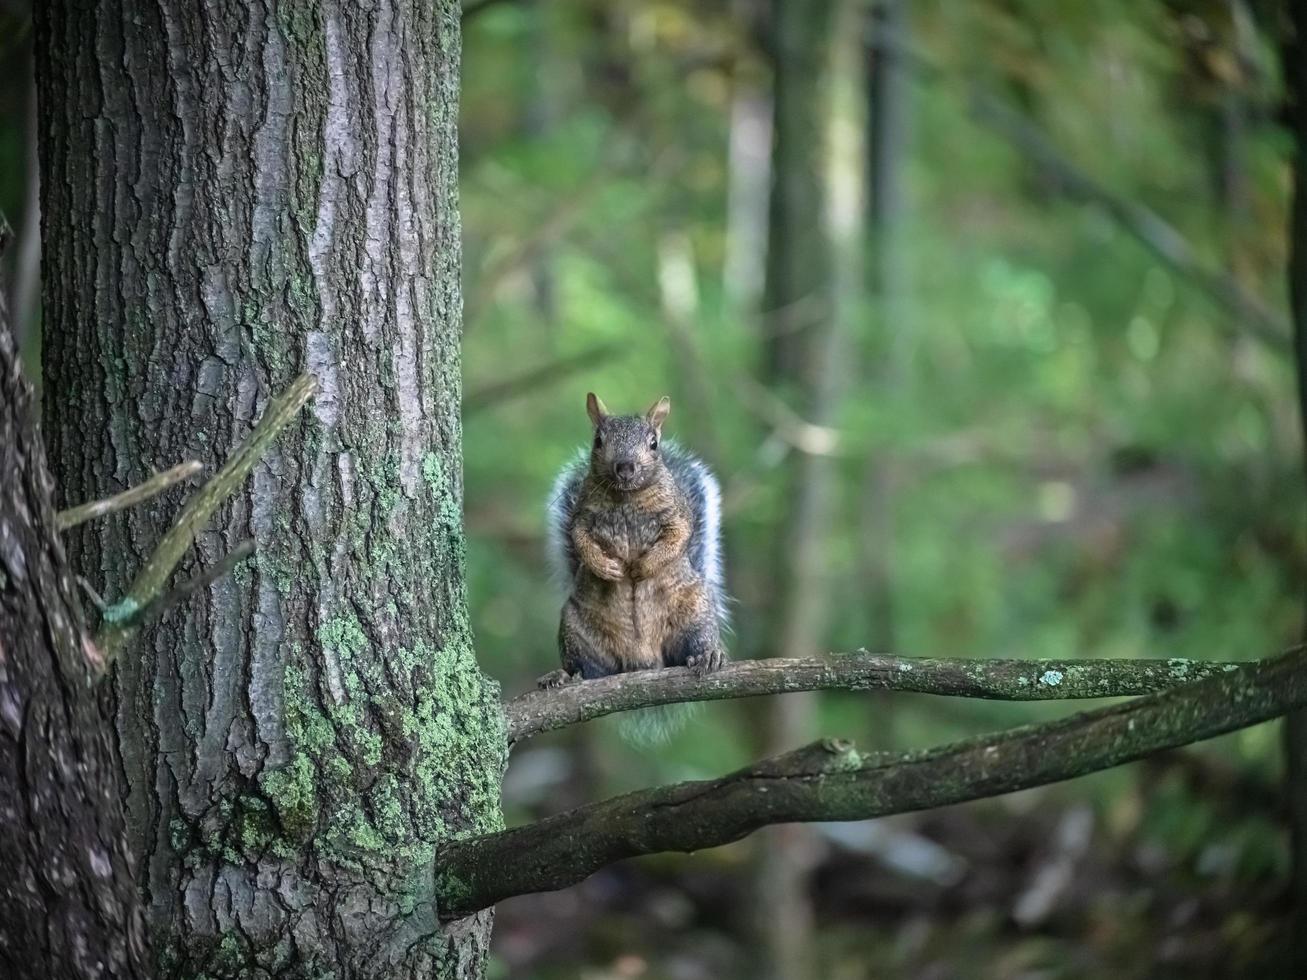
634	530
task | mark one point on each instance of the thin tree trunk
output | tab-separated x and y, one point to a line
800	297
888	90
233	194
749	168
1295	728
68	903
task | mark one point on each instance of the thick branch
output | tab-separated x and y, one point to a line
832	781
155	485
121	619
1001	680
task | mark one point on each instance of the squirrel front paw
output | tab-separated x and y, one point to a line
609	569
556	678
706	663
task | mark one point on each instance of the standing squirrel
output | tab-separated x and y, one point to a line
635	527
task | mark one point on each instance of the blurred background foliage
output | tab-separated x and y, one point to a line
1056	419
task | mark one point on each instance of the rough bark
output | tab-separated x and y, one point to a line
233	194
1295	729
832	781
1002	680
68	902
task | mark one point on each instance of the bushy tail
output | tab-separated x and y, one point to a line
647	728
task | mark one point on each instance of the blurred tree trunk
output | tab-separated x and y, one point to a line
888	92
1295	728
233	194
810	287
69	906
749	168
537	121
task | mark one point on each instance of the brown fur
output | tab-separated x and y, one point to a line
636	601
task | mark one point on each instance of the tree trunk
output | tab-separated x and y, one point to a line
800	299
1295	727
233	194
68	903
889	366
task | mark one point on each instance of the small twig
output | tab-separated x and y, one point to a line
128	498
474	7
807	437
229	561
121	618
538	377
97	600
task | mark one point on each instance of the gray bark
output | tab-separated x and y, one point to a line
68	902
233	194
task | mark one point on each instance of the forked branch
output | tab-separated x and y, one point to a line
833	781
1000	680
122	618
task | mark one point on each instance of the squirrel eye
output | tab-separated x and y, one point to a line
653	441
599	440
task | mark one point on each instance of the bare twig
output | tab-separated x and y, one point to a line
1143	224
202	581
474	7
88	589
128	498
1001	680
832	781
120	619
787	424
538	377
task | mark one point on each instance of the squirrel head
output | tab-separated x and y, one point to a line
625	452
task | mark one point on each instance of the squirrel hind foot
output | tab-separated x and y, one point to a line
556	678
706	663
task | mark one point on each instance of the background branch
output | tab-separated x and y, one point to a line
1002	680
832	781
1143	224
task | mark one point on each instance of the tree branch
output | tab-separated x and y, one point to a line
155	485
832	781
121	619
202	581
537	377
1001	680
1146	226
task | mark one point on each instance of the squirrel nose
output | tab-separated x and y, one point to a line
624	469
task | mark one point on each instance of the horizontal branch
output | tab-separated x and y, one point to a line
154	486
121	619
1001	680
832	781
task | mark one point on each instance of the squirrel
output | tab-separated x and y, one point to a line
635	529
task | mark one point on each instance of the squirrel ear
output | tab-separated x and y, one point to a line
595	409
658	412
